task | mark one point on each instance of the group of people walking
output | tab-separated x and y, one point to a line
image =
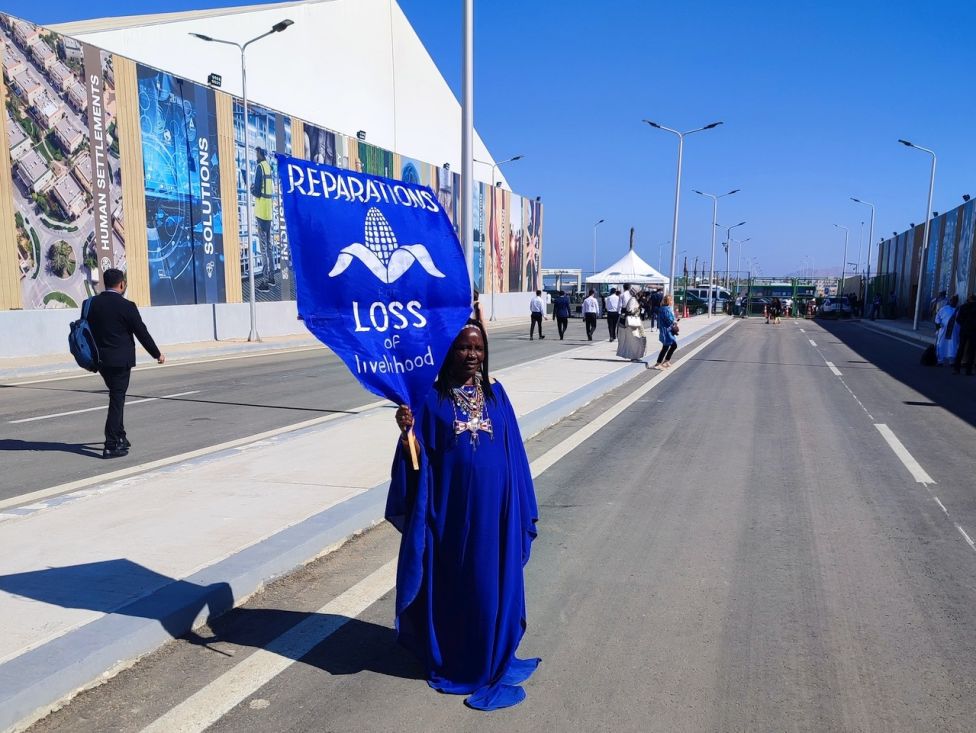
626	312
955	341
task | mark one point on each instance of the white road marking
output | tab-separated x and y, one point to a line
208	705
941	506
916	344
803	330
913	466
105	478
101	407
812	343
966	537
834	369
211	703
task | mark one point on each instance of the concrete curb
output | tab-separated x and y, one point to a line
922	338
41	680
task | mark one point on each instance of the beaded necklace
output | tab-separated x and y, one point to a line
470	411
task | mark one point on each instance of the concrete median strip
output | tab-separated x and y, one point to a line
182	531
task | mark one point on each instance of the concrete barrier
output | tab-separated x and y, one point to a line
29	333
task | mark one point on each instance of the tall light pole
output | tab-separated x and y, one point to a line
467	135
738	265
491	249
925	234
660	254
677	188
594	243
867	278
276	28
843	269
711	276
728	239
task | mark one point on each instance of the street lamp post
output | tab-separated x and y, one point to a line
491	249
843	269
728	234
711	275
594	243
677	189
276	28
867	278
925	234
738	264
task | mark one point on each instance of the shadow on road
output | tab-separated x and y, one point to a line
92	450
108	587
938	385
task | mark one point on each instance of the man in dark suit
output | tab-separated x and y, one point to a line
114	321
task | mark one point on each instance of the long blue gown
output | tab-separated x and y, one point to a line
468	520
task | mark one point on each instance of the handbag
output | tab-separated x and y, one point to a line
633	322
674	329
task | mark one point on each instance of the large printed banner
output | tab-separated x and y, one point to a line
183	206
380	274
64	150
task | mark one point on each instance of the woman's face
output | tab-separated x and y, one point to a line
467	354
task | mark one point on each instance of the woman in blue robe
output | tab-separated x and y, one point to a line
665	320
467	517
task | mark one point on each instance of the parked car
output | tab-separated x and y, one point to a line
834	307
695	305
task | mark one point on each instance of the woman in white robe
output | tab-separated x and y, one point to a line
631	339
947	338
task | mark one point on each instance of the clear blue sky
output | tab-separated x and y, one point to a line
814	96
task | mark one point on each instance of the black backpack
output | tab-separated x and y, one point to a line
81	341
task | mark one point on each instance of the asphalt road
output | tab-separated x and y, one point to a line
194	405
741	549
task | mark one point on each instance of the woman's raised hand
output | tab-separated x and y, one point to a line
404	419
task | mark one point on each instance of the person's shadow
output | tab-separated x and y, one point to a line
351	645
82	449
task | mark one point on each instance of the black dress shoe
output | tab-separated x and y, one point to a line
118	452
125	443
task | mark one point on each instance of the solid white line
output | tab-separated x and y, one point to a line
211	703
559	451
941	505
966	537
105	478
207	706
101	407
834	369
812	342
913	466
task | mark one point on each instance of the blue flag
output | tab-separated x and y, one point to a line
379	271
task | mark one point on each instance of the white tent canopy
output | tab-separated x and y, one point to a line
628	269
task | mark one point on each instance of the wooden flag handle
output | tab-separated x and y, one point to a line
412	445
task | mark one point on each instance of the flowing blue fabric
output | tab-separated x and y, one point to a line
468	521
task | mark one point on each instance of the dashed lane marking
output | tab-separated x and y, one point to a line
812	343
834	369
913	466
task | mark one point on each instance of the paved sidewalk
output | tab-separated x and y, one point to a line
902	327
139	560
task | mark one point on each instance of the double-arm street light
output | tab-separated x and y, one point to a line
594	243
925	234
870	240
728	239
843	270
491	248
242	47
677	189
711	276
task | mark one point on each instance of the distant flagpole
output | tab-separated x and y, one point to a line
467	138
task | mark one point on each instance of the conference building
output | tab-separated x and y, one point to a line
125	147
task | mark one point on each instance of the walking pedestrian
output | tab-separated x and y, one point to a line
263	190
876	307
114	321
966	323
560	311
656	297
631	341
613	313
467	520
591	311
667	331
947	339
537	310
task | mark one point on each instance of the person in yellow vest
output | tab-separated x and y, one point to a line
263	191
